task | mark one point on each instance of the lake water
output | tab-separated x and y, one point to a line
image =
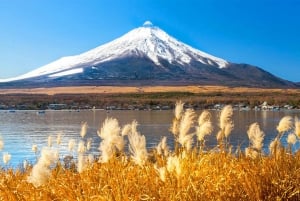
21	129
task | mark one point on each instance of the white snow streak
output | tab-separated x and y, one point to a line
68	72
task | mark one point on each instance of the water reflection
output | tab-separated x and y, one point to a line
22	129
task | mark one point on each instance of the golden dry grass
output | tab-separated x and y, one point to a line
209	176
181	174
143	89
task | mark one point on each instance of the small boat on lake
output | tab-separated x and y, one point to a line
40	112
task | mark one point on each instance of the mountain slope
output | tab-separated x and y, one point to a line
146	55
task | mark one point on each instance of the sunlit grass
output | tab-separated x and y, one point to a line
189	172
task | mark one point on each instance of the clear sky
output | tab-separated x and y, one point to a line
265	33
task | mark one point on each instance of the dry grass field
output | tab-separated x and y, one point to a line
143	89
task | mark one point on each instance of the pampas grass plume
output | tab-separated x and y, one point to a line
34	148
83	130
174	165
25	164
204	125
291	139
6	158
162	147
251	153
82	163
137	145
89	144
184	138
178	112
58	139
274	146
205	116
126	129
109	128
71	144
49	141
228	129
297	127
256	136
204	129
90	158
285	124
220	136
226	116
1	144
111	139
81	147
162	172
41	170
178	109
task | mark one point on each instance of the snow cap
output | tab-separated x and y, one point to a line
147	24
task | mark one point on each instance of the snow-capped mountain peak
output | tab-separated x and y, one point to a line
156	44
145	41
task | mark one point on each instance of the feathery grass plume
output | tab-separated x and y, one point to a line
49	141
90	158
83	131
137	145
174	165
226	116
1	144
112	141
162	147
41	170
251	153
220	136
275	146
34	148
285	124
291	139
205	116
162	173
110	127
178	112
204	125
89	144
82	162
25	164
226	124
179	109
71	144
256	136
58	139
6	157
126	129
81	147
297	127
187	121
228	129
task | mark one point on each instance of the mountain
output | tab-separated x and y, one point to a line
145	56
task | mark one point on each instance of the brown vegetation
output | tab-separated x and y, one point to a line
144	89
145	97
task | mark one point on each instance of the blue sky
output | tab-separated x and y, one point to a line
265	33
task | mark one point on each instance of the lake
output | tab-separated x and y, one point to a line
21	129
